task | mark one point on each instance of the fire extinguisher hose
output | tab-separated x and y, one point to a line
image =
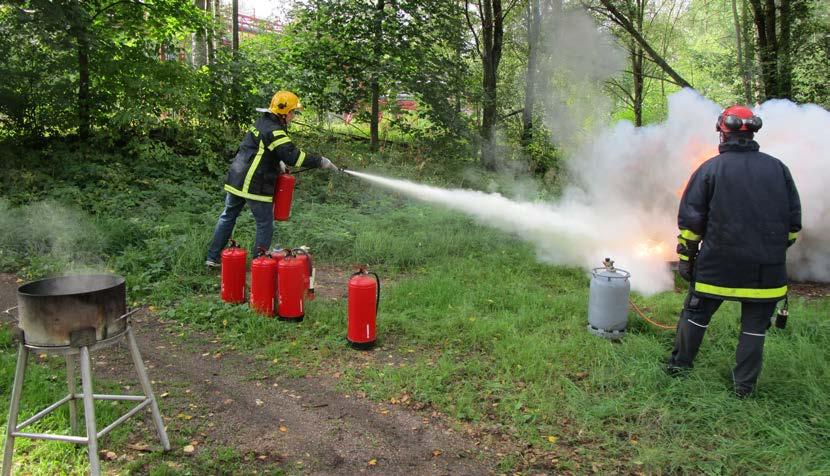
650	321
377	301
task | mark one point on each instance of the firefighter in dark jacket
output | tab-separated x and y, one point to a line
263	151
738	215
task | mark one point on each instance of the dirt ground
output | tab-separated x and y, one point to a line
211	398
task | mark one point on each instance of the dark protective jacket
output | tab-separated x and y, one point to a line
257	162
744	206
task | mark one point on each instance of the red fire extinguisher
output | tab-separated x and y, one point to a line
364	299
308	271
290	288
263	283
234	259
283	193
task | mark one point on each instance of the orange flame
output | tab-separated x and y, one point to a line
697	154
650	247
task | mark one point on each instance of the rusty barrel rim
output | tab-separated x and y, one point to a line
71	285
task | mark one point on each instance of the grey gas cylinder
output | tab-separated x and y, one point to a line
608	301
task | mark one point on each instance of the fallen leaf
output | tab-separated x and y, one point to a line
139	446
373	462
228	401
108	455
259	402
189	449
551	438
165	395
185	416
283	429
436	452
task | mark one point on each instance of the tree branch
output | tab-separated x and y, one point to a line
137	2
654	77
512	4
513	113
626	24
470	25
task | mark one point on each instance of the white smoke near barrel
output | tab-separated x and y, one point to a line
796	135
626	189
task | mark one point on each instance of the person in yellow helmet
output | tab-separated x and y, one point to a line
264	150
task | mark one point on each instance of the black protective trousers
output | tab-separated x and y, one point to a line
694	319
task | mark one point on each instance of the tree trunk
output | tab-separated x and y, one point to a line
211	32
637	73
81	34
741	66
199	47
750	56
235	23
637	68
534	24
374	140
785	87
492	34
638	37
764	17
82	37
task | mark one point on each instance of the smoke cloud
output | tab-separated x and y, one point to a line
627	185
52	237
576	59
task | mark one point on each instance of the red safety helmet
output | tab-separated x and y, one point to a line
738	119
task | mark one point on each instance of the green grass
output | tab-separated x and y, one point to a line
478	330
45	383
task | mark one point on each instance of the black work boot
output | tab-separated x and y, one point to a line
742	392
677	371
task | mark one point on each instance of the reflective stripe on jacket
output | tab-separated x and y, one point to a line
256	165
744	206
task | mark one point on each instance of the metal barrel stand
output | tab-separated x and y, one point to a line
82	343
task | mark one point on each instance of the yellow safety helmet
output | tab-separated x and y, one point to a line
283	102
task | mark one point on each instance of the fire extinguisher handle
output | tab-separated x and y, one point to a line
377	301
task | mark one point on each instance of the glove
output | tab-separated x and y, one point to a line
326	164
686	269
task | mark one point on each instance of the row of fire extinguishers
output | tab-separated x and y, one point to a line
281	281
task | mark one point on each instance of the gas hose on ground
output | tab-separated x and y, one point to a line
654	323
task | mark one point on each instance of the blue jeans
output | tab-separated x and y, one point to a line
263	215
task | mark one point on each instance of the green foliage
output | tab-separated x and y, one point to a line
120	41
812	55
337	48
